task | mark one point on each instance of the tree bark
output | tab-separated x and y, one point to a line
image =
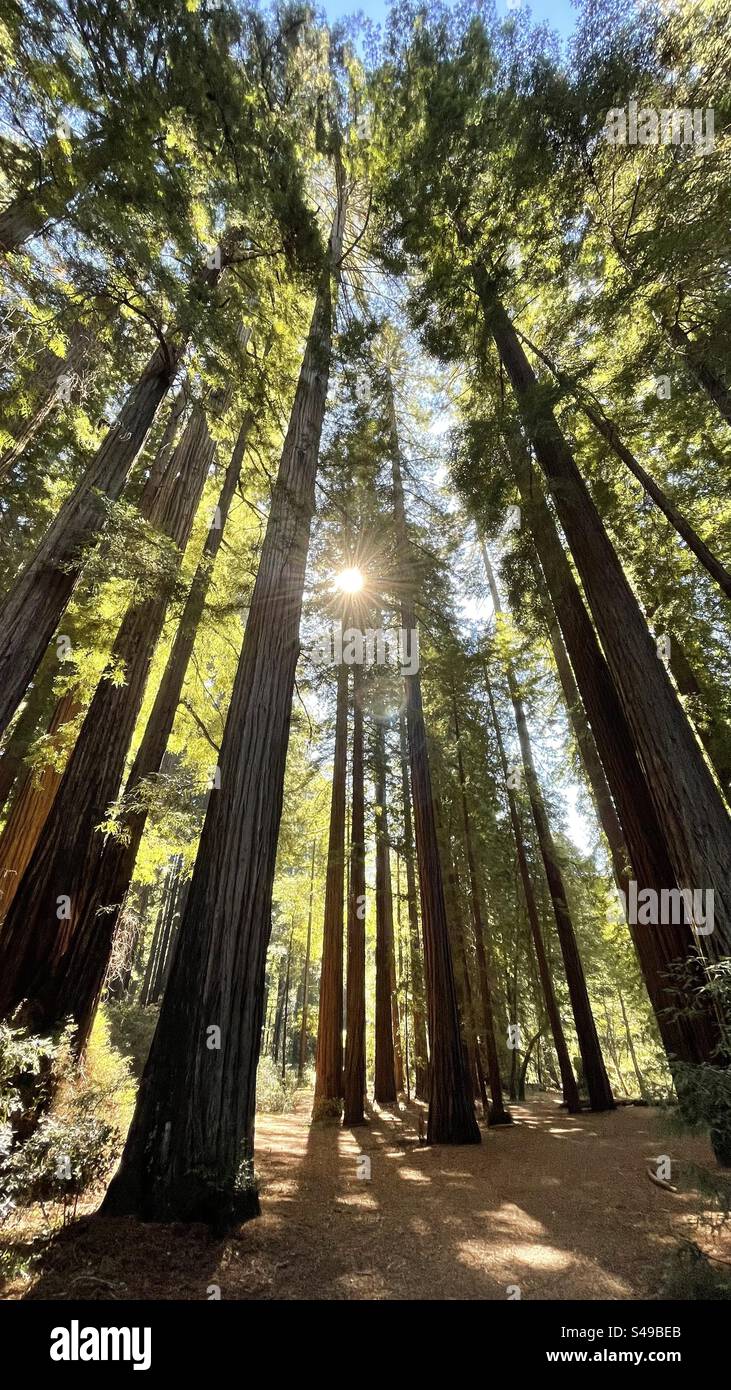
145	992
190	1148
691	1035
568	1080
384	1091
678	777
405	977
452	893
420	1049
286	1002
32	803
56	965
644	1093
499	1115
329	1057
609	431
451	1110
105	895
40	594
600	1093
355	1053
588	752
306	980
161	936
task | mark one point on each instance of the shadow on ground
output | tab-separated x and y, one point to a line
559	1206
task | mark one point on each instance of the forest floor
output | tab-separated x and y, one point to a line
559	1205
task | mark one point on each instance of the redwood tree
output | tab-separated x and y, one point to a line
384	1090
498	1112
597	1081
190	1148
49	942
329	1059
355	1011
568	1080
677	774
451	1111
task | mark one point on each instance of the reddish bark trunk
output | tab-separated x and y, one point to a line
355	1055
329	1058
190	1148
385	1064
451	1110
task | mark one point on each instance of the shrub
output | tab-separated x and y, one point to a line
30	1069
690	1274
73	1145
274	1094
704	1100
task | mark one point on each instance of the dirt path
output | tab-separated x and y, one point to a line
560	1206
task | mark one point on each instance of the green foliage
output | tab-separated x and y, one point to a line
691	1274
71	1146
274	1092
131	1026
30	1066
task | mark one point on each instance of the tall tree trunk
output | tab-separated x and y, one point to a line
404	976
176	1164
355	1042
631	1047
286	1002
677	774
713	731
588	752
145	992
600	1093
105	895
32	803
52	962
40	594
119	976
691	1035
611	1048
163	928
278	1013
398	1056
329	1056
165	955
306	979
498	1113
520	1088
384	1091
420	1050
451	1111
452	893
38	700
609	431
568	1080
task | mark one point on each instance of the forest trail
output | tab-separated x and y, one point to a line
559	1205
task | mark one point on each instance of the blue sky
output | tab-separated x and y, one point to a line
560	14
